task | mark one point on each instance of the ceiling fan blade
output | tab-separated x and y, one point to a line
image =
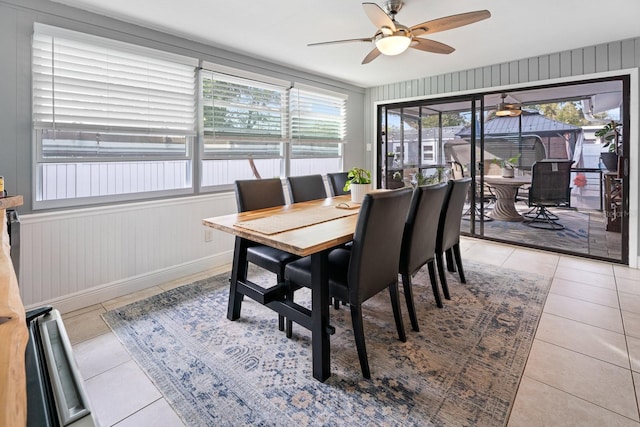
367	39
431	46
378	16
449	22
371	56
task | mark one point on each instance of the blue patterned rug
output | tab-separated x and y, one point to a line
462	368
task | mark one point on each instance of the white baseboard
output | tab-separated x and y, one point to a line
119	288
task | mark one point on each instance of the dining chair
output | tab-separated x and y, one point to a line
448	239
370	266
255	194
419	242
336	183
307	187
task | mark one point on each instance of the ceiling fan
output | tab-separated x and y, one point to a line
505	109
393	38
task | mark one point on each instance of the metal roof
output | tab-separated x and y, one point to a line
532	122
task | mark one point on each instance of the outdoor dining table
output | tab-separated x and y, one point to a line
505	189
310	228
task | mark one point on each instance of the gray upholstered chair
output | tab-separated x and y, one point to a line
370	266
449	231
550	187
419	242
307	187
260	194
336	183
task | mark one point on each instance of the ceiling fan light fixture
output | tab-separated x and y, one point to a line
507	110
393	44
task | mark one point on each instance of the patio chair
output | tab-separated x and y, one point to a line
550	187
370	267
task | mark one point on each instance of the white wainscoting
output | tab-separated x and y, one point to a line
76	258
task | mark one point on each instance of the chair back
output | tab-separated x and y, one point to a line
375	254
336	183
421	227
550	183
308	187
252	194
451	213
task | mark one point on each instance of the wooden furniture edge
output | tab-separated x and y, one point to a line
13	338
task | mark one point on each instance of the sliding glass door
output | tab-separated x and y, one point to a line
538	159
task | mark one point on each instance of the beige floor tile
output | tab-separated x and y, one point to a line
630	302
532	262
630	286
589	340
633	344
488	253
81	311
586	277
624	272
595	381
158	414
583	311
119	392
85	326
195	277
590	293
631	323
99	354
539	405
586	265
128	299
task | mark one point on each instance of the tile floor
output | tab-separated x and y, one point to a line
583	368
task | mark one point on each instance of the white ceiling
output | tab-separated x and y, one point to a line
279	31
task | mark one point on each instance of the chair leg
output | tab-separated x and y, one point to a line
397	313
408	296
358	332
443	278
434	283
450	265
336	303
456	254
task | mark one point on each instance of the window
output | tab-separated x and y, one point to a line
259	126
111	120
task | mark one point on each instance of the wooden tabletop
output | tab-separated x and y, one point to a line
301	241
10	202
500	180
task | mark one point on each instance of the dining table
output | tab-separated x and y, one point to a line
505	188
309	228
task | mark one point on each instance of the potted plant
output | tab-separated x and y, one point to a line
610	135
508	165
359	183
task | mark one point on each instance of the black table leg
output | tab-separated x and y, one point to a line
238	272
321	346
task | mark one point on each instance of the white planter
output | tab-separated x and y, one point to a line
358	191
507	172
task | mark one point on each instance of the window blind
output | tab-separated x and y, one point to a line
237	109
84	82
317	116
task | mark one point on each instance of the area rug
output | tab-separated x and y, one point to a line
462	368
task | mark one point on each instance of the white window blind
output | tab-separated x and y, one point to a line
317	116
83	82
240	110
